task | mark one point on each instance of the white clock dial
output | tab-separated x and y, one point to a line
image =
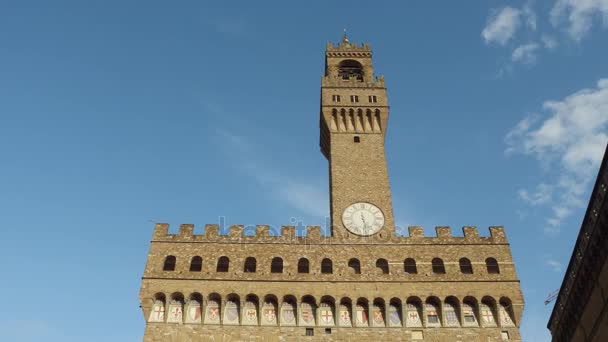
363	218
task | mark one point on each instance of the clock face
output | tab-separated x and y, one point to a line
363	218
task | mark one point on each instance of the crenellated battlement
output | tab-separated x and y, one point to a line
288	234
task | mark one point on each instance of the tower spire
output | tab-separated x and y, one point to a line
344	38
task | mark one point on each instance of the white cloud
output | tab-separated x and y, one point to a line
549	42
502	25
579	15
305	196
554	265
572	134
542	194
529	15
525	53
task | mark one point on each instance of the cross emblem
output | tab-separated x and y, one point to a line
326	315
413	316
487	316
159	310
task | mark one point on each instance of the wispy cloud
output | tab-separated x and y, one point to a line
305	196
554	265
501	26
525	53
571	136
579	15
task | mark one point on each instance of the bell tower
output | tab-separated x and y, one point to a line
354	117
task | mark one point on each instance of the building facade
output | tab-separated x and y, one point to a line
360	282
581	309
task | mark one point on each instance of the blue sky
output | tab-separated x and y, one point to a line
118	114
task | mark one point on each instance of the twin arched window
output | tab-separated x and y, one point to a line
382	264
326	266
169	264
196	264
465	266
223	264
250	265
438	267
492	266
409	266
303	266
354	265
276	266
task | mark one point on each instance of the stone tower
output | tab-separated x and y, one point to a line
362	282
354	117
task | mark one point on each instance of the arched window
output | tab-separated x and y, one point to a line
413	312
465	266
438	267
382	264
492	266
469	312
350	68
432	312
354	265
303	266
326	266
223	263
250	265
196	264
276	266
409	266
505	312
158	309
169	263
451	312
488	316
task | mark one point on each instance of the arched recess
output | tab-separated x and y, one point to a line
158	308
362	313
409	266
196	264
325	313
303	265
213	311
250	265
194	307
354	265
249	314
382	265
438	266
176	308
326	266
413	312
269	310
223	264
465	266
350	69
487	310
451	312
492	266
378	312
169	264
288	311
231	310
506	314
276	265
470	312
345	312
307	312
394	313
432	312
